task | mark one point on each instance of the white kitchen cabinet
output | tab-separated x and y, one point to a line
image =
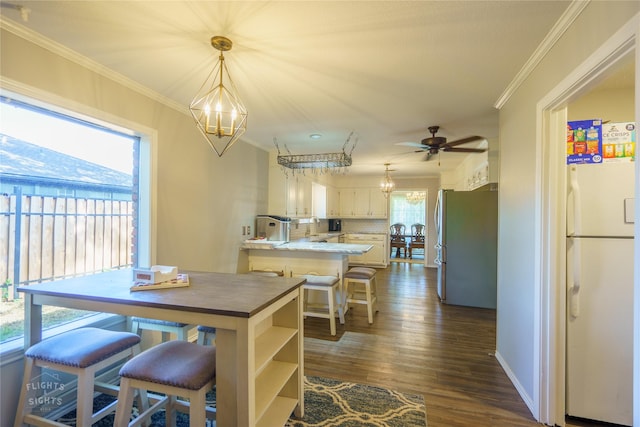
278	192
362	203
333	202
378	203
377	256
299	196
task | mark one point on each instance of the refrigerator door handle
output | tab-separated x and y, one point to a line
436	216
574	255
574	200
574	249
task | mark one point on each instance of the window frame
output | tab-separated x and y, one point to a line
147	174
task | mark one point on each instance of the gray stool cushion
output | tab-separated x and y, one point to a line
319	280
175	363
82	347
360	273
207	329
158	322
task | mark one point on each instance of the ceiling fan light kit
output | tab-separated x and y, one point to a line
217	109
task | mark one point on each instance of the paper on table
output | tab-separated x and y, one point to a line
179	282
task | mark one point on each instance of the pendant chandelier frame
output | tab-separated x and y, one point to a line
217	109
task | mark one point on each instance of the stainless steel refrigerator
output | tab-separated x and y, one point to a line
466	249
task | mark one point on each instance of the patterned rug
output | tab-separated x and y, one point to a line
333	403
328	403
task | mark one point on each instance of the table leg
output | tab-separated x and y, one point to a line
32	321
235	393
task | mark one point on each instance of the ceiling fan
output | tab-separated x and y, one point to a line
434	144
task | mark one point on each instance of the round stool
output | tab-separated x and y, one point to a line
81	352
368	295
173	368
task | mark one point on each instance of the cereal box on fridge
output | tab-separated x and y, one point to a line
584	141
619	142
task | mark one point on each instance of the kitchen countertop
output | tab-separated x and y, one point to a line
339	248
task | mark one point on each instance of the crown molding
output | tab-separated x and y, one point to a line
71	55
561	26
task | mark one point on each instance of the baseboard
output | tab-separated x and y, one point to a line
519	388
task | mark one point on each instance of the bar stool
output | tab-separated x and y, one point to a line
173	368
368	295
268	273
181	330
206	335
330	285
82	352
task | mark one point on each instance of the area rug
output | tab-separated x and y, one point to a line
334	403
328	403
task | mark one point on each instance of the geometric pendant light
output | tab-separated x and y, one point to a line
217	109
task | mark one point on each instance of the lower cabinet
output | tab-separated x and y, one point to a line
377	256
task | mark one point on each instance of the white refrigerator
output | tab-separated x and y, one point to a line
599	365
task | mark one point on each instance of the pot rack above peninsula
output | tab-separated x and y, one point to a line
319	163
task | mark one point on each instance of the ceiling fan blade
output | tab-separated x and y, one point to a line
465	140
464	150
411	144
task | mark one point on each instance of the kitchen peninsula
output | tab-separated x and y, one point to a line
302	257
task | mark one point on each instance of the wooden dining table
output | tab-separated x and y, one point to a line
259	331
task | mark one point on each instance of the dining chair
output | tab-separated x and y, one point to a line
417	238
398	239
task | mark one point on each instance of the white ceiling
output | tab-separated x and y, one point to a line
384	69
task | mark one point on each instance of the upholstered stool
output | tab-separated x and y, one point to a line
180	330
268	273
367	295
82	352
329	285
173	368
206	335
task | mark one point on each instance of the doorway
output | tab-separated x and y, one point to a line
409	208
606	69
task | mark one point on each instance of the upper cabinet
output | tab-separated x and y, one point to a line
362	203
289	195
299	201
333	202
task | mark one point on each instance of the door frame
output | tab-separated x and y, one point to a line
550	303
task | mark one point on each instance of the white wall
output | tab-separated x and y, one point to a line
519	201
202	200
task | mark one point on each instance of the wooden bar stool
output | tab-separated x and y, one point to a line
331	286
367	295
180	330
173	368
206	335
82	352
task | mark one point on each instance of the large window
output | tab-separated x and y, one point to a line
68	203
407	207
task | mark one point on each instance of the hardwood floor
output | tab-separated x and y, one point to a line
418	345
